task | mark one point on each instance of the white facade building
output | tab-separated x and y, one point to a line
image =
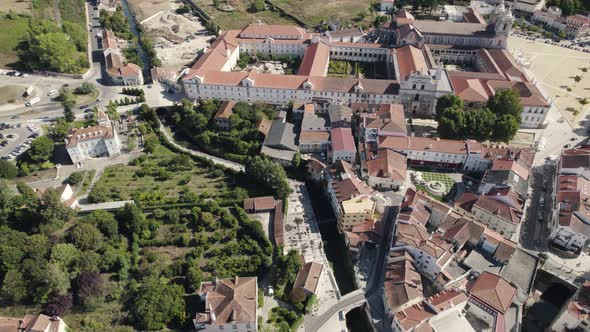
92	142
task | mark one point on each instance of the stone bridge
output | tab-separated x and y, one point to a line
346	303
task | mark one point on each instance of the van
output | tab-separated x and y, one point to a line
52	93
33	101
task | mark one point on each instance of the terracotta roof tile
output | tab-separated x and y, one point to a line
493	290
231	300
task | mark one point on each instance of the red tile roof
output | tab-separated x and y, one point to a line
493	290
388	164
342	139
259	203
309	276
225	110
499	208
402	283
310	136
429	144
315	60
89	133
272	30
229	300
410	60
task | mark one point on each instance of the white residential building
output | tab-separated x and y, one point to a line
92	142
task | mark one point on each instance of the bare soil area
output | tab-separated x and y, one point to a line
11	93
145	8
19	6
178	38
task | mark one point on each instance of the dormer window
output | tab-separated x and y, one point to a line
248	82
307	85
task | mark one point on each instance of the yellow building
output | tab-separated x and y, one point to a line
355	211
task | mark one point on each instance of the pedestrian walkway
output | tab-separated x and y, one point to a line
216	160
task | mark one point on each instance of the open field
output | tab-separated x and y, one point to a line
313	12
240	17
555	68
12	30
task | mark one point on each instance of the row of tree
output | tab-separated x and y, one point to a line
498	121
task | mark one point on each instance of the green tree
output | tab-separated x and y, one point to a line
86	236
506	102
76	178
58	280
53	212
77	35
270	174
105	221
41	149
69	115
448	101
65	255
505	128
257	6
8	170
86	88
479	124
14	286
297	160
155	304
452	124
59	131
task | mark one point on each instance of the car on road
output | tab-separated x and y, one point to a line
25	75
572	139
83	107
52	93
10	136
15	117
567	146
65	85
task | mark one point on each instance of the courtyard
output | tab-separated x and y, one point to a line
439	186
370	70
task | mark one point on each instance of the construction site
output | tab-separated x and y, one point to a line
178	38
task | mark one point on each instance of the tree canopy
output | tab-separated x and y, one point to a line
270	174
155	304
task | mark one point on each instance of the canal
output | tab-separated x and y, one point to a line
338	255
140	51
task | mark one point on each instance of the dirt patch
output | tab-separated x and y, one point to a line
177	38
19	6
146	8
10	94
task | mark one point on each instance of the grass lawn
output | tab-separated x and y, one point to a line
73	11
121	180
10	34
339	68
85	99
240	17
313	12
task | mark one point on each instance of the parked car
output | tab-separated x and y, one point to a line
10	136
567	146
83	107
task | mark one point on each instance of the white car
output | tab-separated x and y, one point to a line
24	75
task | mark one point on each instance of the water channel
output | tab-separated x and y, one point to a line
140	52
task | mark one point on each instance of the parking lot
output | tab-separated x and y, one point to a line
16	139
